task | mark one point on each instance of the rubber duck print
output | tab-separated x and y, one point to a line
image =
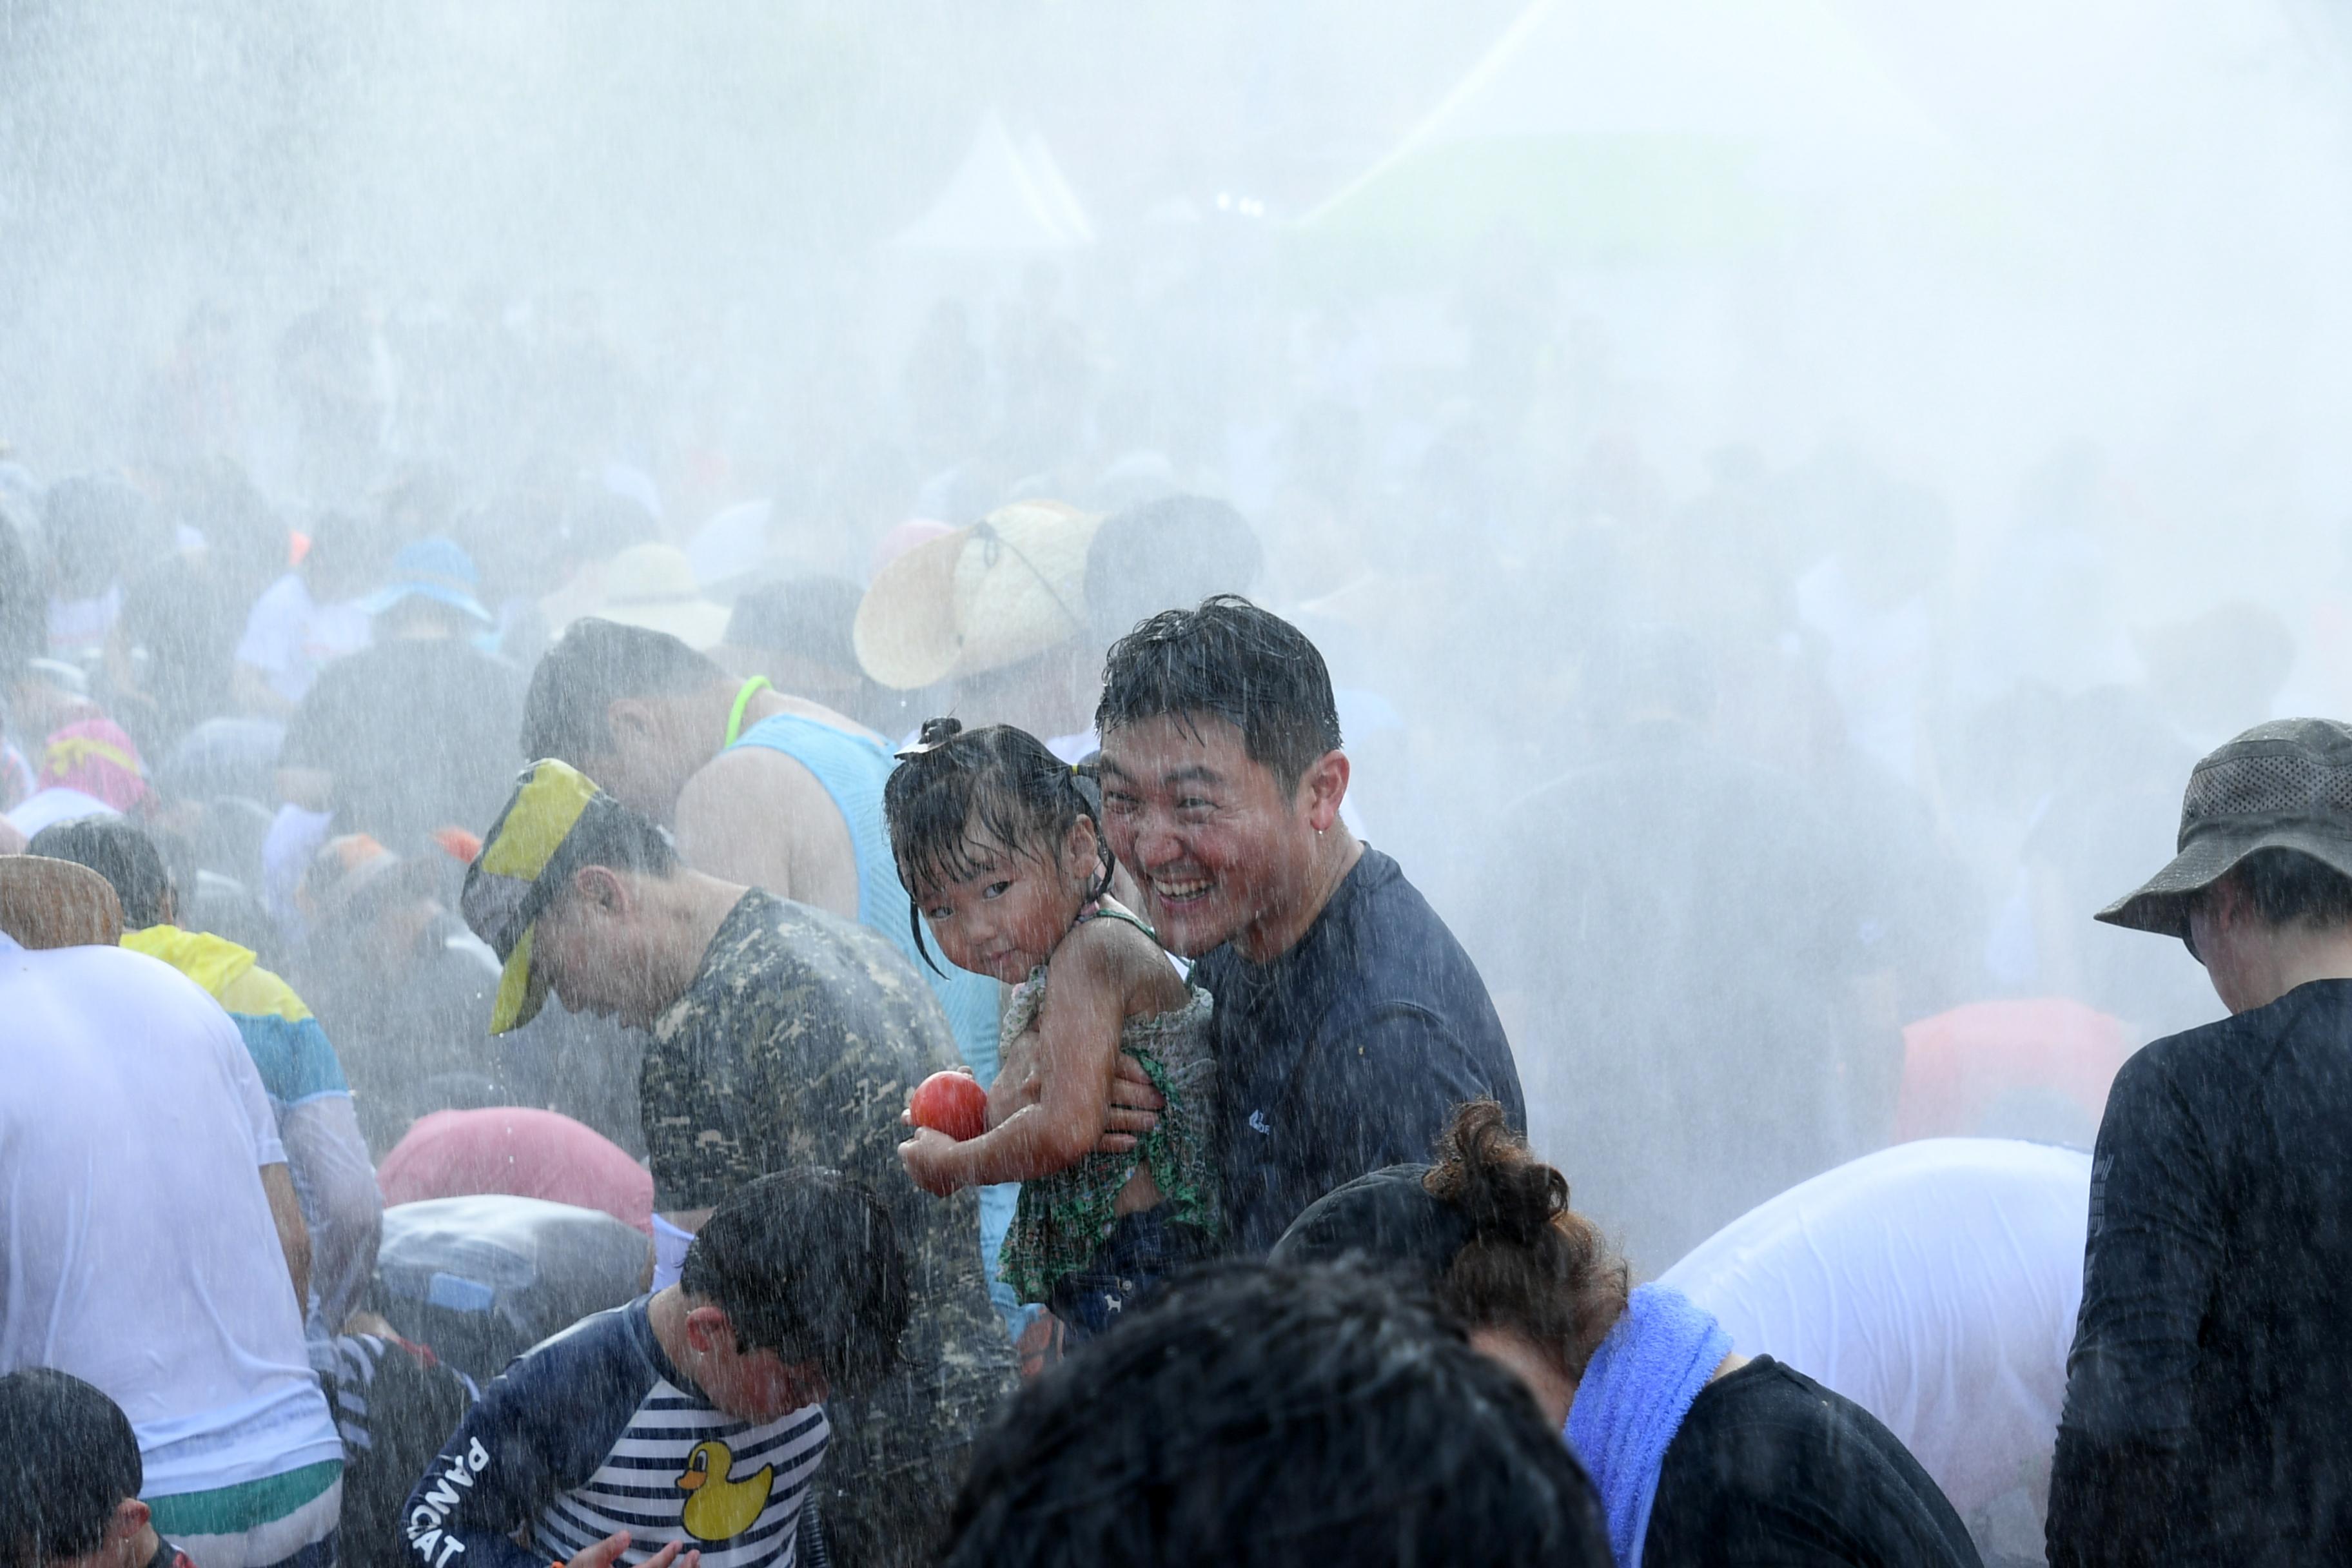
721	1508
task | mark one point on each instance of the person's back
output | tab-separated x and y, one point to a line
139	1249
1935	1284
308	1097
2252	1119
521	1151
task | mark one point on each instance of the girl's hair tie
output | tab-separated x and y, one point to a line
935	733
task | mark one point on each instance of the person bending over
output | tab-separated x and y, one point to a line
1704	1457
689	1423
70	1480
778	1036
1278	1418
309	1096
1000	848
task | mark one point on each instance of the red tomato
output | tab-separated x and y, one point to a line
952	1104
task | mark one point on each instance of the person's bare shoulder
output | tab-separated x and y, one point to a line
1117	954
755	815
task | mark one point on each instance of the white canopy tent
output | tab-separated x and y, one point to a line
1007	196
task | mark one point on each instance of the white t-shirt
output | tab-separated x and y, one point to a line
46	807
1935	1284
136	1246
289	637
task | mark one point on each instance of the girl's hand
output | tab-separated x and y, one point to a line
928	1157
906	1112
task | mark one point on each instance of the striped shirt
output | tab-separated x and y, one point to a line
594	1431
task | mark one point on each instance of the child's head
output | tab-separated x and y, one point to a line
997	843
69	1472
796	1291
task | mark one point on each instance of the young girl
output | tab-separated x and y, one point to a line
998	845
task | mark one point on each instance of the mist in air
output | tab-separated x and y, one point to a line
1786	488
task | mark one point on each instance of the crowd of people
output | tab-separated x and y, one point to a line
327	1240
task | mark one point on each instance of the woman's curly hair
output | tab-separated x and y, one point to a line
1533	1265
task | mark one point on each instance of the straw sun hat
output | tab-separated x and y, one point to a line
979	599
653	585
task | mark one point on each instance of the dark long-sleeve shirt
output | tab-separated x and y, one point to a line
1347	1053
2209	1394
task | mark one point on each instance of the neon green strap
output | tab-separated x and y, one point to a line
735	714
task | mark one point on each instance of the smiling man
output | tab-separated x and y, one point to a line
782	1036
1348	1021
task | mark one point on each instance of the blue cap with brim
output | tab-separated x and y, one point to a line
436	569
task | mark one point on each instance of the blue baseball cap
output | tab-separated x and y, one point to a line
432	568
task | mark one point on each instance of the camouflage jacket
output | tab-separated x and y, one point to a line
796	1045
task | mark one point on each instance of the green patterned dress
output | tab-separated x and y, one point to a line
1063	1219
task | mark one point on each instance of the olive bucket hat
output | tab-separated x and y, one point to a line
2286	784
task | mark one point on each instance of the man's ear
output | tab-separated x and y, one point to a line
1322	787
633	717
600	888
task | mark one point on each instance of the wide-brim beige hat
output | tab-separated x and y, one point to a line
653	586
1008	587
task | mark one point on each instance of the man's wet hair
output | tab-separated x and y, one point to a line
69	1460
595	664
1000	778
1231	660
1264	1416
806	1263
2289	888
119	850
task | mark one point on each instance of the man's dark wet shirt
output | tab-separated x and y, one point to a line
1347	1053
2209	1395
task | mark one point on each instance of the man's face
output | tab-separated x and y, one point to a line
654	750
1217	846
595	951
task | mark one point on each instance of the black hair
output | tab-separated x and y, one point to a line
1179	549
1231	660
2288	887
593	665
119	850
808	617
1019	794
806	1263
1261	1417
97	527
69	1461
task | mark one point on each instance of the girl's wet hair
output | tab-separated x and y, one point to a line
1532	1265
998	781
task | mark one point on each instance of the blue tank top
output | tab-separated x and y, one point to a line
853	770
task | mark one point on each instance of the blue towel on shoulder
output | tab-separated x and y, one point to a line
1632	1401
